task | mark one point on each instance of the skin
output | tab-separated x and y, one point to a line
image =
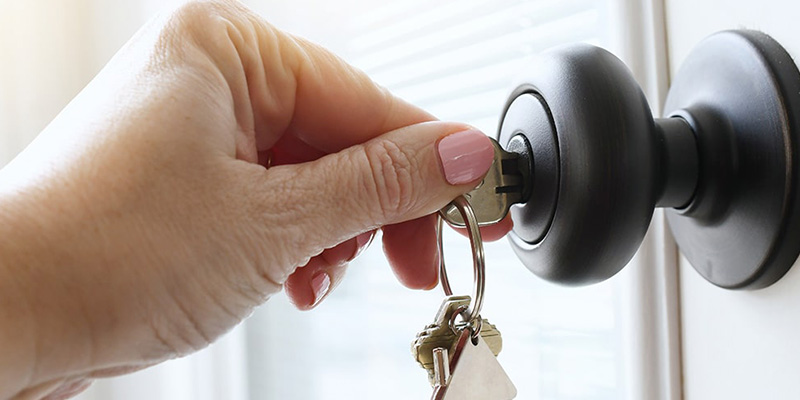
215	161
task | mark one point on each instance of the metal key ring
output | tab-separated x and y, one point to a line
478	258
475	325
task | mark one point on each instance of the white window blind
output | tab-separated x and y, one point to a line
457	59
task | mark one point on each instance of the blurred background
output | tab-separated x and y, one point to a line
459	59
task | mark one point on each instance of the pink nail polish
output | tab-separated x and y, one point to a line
465	156
320	284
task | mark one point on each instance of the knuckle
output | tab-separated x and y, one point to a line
190	25
390	179
205	20
195	11
192	14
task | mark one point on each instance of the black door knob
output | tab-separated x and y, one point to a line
725	161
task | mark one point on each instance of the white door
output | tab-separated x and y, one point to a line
737	344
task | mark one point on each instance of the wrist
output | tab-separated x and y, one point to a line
17	333
17	328
40	329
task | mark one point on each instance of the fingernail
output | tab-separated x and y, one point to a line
362	243
437	263
320	284
465	156
432	285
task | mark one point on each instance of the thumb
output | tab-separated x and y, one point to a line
396	177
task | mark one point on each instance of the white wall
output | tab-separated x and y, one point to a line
50	50
43	51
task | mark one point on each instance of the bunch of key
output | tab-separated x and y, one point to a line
461	358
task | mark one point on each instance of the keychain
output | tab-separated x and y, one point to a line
459	349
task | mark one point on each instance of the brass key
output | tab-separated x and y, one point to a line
502	187
440	335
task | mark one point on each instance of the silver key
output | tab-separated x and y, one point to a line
472	373
502	187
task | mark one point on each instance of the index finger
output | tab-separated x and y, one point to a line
299	88
338	105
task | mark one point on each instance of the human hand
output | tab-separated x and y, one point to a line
143	222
